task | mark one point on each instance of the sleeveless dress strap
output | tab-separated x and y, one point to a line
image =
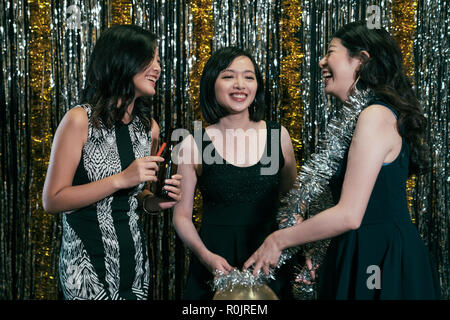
404	147
381	102
272	125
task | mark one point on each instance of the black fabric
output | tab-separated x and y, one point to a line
85	222
239	211
386	239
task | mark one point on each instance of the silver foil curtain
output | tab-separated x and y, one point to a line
432	199
45	45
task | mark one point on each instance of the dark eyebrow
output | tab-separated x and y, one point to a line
231	70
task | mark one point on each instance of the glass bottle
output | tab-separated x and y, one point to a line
167	169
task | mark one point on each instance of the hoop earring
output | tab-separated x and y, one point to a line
354	88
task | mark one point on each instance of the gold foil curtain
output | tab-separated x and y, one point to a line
404	30
41	86
45	48
291	103
120	12
203	30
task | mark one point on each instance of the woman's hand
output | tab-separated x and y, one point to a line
268	253
266	256
303	276
216	264
140	170
172	185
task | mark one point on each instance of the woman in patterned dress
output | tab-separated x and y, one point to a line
99	166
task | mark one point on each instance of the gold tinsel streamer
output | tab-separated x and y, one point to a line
291	102
120	12
41	138
404	27
202	17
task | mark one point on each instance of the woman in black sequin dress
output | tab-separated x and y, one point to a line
241	163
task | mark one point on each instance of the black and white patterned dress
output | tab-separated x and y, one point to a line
103	253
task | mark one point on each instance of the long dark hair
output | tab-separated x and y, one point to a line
120	53
383	72
219	61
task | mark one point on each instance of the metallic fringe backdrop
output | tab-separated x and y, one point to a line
202	34
41	87
45	46
404	27
291	103
432	196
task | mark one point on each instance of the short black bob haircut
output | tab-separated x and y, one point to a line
219	61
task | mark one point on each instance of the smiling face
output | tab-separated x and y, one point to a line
338	70
236	86
145	80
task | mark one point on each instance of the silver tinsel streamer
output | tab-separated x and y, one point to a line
310	185
227	282
15	247
314	176
432	56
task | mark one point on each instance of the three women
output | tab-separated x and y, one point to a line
101	160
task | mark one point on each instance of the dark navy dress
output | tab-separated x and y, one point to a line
385	258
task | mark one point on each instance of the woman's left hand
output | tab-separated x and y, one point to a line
266	256
172	185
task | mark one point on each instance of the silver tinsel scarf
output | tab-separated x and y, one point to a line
310	185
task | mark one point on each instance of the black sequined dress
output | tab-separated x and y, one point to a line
239	211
